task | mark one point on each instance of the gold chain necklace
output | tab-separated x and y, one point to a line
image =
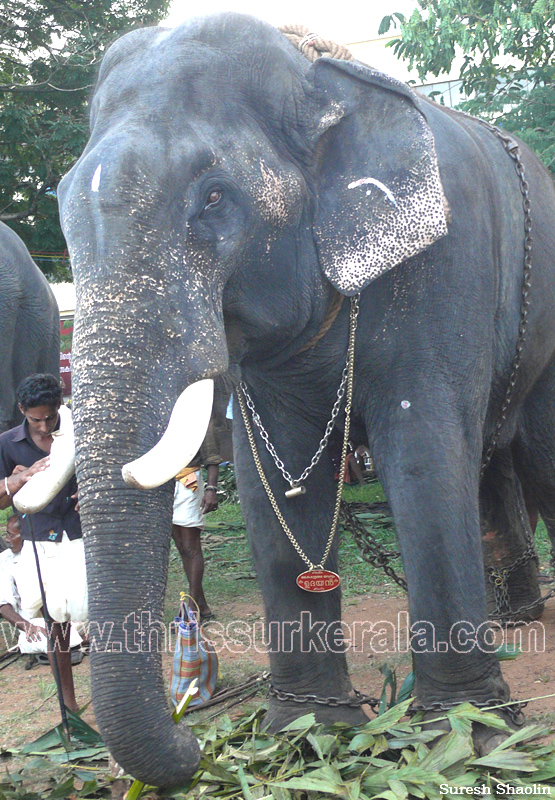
316	578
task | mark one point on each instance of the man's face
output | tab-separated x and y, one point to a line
41	419
13	536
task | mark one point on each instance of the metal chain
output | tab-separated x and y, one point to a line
513	708
512	148
373	553
294	482
260	469
353	702
509	616
499	578
371	550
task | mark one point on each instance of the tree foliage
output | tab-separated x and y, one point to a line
49	54
508	59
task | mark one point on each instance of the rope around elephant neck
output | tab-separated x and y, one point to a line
260	469
313	46
330	318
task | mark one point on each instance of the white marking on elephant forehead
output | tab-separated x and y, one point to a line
405	404
95	183
374	182
271	195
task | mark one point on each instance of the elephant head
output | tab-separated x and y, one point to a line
228	189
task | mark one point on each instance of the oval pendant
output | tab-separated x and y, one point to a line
318	580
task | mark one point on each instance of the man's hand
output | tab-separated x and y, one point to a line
209	502
76	497
19	477
34	632
24	474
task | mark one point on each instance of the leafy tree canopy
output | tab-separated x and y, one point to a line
49	54
508	69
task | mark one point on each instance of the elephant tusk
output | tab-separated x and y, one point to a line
183	437
45	485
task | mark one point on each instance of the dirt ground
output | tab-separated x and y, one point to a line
28	706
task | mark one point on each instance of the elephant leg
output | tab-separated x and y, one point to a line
534	449
430	476
511	563
303	629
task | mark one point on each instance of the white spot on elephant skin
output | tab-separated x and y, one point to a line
271	194
95	183
333	115
405	404
277	195
375	182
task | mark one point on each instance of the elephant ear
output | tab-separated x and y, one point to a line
380	199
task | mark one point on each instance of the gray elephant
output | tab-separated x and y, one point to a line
232	196
29	323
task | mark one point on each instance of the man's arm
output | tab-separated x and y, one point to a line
11	484
210	500
31	631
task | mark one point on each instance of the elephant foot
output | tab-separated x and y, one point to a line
484	738
280	713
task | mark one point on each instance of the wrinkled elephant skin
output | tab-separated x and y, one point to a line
228	191
29	324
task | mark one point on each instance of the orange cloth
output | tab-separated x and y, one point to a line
188	477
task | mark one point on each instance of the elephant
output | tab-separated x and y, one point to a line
29	323
239	209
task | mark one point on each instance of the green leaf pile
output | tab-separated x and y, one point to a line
390	757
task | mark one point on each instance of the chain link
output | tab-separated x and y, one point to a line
333	702
499	579
513	708
371	550
260	469
512	148
294	482
510	616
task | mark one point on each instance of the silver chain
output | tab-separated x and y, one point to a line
348	405
294	482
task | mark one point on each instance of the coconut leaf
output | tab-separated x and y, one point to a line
524	734
407	687
501	759
546	770
81	732
507	652
469	712
451	749
301	723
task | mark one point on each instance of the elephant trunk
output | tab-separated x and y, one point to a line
128	637
127	539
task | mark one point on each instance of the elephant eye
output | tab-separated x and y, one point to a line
213	198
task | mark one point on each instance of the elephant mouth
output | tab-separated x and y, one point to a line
180	442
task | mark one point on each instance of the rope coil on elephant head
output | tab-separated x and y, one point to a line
313	46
